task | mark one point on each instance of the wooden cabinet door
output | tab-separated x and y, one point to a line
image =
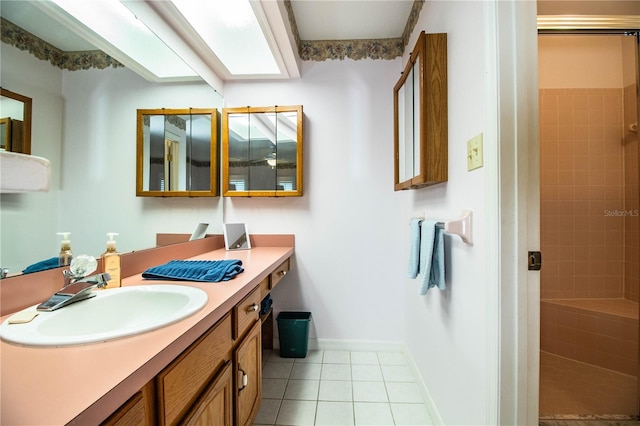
215	408
138	411
248	376
181	384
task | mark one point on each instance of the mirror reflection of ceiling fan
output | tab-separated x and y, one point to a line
269	159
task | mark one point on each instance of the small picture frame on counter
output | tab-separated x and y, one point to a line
236	236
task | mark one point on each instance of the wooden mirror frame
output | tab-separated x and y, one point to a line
430	53
26	120
225	152
213	154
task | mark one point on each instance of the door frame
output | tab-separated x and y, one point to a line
512	226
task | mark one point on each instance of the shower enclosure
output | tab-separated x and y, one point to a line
590	226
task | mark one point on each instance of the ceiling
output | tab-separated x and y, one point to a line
345	20
296	31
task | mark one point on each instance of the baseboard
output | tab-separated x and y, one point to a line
377	346
356	345
349	345
426	395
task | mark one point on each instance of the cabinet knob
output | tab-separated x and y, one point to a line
252	308
243	379
283	273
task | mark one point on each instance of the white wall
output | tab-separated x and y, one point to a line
446	330
350	224
28	222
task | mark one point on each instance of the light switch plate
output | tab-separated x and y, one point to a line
474	153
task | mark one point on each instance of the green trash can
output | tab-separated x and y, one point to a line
293	329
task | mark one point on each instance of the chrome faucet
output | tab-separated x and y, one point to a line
75	289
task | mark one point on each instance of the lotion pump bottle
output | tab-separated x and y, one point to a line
65	255
111	262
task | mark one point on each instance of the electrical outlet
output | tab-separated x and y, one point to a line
474	153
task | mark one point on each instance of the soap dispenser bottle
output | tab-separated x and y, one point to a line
111	262
65	255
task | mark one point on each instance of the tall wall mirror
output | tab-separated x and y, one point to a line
73	124
177	153
262	151
420	116
15	122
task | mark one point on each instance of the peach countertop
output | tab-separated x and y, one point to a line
85	384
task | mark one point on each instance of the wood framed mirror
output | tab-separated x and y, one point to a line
262	151
420	116
15	123
176	152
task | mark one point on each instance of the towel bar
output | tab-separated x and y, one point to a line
460	227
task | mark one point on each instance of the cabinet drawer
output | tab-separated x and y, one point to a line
183	380
246	313
279	273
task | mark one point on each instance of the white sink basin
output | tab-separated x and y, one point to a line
112	314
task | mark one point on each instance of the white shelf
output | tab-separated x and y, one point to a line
23	173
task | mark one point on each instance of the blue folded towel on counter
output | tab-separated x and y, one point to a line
196	270
43	265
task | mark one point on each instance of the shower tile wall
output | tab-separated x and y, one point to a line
582	193
589	226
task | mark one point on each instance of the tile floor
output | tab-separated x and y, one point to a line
340	388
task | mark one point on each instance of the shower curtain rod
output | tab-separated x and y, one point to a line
583	31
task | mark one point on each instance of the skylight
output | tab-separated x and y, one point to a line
136	46
232	31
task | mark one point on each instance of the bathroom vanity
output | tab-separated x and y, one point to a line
204	369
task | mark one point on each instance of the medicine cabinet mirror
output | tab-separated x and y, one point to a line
177	153
420	116
15	123
262	151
